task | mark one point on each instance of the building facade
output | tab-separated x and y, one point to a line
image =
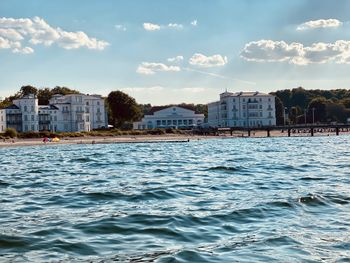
65	113
171	117
242	109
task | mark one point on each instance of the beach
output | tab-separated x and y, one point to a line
16	142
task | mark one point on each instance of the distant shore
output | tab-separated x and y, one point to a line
150	138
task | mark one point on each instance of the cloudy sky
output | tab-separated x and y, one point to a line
164	51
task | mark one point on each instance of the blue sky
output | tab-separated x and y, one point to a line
162	51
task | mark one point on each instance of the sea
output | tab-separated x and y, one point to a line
208	200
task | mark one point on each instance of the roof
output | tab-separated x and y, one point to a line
159	108
12	107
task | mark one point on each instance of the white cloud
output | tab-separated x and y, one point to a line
194	23
10	34
175	59
150	68
321	23
175	26
120	27
151	27
25	50
155	27
268	50
37	31
297	53
207	61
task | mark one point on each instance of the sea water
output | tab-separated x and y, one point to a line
216	200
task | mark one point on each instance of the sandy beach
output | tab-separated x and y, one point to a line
150	138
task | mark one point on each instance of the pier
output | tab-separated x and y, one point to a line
288	129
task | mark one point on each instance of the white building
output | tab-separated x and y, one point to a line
242	109
171	117
65	113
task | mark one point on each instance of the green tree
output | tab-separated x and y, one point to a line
28	89
279	111
44	95
336	112
63	91
317	107
122	108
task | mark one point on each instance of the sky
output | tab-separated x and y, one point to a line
166	51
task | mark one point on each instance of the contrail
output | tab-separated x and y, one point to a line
219	76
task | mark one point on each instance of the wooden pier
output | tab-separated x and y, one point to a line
289	129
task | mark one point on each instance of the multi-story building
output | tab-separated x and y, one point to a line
65	113
171	117
242	109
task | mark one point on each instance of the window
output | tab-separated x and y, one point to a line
260	107
98	110
25	108
32	108
261	114
33	118
55	118
98	103
33	128
87	118
233	100
25	118
243	100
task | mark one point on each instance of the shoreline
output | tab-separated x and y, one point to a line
180	138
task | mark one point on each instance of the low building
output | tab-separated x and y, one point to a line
171	117
64	113
242	109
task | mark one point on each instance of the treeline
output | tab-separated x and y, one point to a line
301	105
43	94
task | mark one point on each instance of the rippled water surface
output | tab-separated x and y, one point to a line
220	200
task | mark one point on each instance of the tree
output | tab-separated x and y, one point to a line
63	91
44	95
317	107
122	108
26	90
279	111
336	112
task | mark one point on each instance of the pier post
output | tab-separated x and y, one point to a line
231	131
288	132
312	131
337	130
248	133
268	133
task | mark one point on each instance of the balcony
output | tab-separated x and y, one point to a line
44	121
14	122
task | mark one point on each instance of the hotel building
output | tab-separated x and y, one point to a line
64	113
242	109
171	117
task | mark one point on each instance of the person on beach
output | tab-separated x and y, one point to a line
45	140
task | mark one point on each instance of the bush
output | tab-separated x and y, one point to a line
12	133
